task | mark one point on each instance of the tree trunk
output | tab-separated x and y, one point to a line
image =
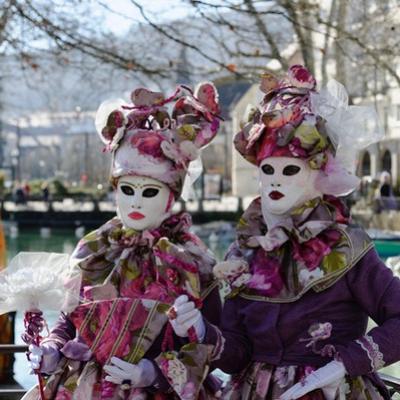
340	43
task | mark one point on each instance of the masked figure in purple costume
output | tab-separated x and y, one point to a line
304	281
119	342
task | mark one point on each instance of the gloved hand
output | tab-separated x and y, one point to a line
138	375
187	315
46	357
327	378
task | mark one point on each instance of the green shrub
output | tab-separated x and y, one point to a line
59	188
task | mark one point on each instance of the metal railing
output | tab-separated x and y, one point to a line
11	391
13	348
391	382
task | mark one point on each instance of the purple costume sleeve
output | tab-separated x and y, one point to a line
233	349
376	289
212	307
63	331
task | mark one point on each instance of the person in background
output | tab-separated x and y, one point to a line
19	194
384	204
387	198
45	192
27	189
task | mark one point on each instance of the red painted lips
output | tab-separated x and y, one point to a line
136	215
275	195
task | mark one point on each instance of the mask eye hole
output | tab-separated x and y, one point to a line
268	169
150	192
291	170
125	189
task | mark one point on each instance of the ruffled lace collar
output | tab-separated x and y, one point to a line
157	264
303	224
310	249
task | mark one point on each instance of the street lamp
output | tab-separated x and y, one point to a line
15	164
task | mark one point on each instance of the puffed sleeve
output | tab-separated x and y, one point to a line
63	331
232	349
377	291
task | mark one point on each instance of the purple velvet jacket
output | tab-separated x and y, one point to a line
275	332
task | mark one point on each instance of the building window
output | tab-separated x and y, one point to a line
387	162
366	164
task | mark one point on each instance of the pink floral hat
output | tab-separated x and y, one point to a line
296	120
147	140
285	125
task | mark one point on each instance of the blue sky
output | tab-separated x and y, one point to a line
158	10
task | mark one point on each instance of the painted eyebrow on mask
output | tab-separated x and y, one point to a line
130	184
139	186
152	185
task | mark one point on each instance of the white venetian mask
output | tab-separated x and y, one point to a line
285	183
143	203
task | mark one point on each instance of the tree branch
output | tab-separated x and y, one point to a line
183	42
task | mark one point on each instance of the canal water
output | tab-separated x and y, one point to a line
62	241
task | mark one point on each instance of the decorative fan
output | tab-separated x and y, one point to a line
121	327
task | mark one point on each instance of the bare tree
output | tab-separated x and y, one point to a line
238	37
25	24
333	38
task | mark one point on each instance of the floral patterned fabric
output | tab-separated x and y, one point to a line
158	264
311	249
261	381
182	372
285	124
129	281
123	327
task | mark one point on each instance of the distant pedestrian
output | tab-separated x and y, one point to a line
45	192
19	195
27	189
387	199
384	203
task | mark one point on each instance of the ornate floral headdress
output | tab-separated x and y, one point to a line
285	125
147	140
295	120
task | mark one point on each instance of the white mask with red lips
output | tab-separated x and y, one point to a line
285	183
143	203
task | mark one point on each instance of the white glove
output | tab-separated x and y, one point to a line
138	375
328	378
46	357
187	315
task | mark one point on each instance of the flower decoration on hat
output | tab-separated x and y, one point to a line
147	140
285	125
